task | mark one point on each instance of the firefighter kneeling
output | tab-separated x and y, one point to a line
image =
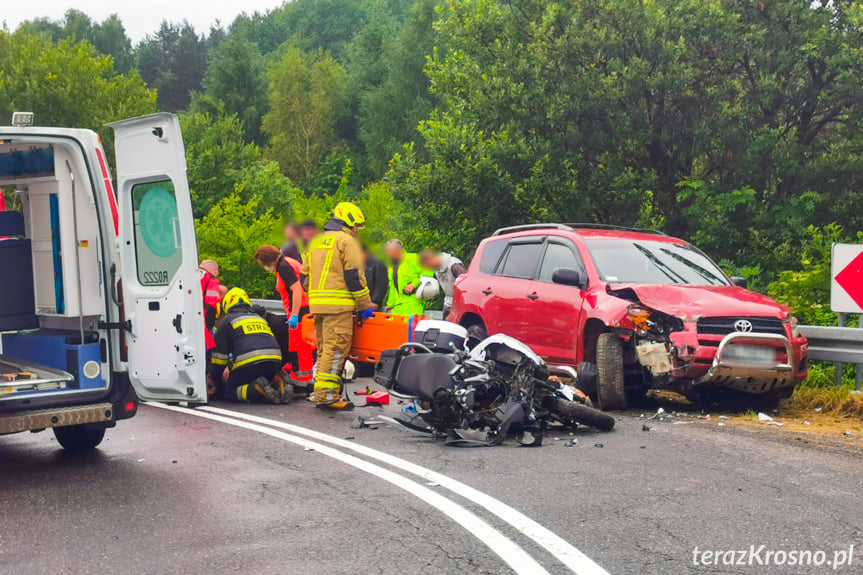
334	277
248	351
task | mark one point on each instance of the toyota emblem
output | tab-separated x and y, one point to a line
743	326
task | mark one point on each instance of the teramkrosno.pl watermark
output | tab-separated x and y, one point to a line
761	555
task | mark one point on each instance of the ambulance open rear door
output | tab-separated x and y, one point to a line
158	253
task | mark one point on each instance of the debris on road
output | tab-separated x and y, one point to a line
361	422
598	445
764	417
645	427
659	413
571	443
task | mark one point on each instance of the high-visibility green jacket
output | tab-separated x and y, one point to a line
409	271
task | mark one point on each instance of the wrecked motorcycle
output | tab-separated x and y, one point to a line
498	389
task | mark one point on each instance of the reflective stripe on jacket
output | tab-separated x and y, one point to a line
243	337
335	273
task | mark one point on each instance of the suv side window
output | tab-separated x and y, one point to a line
558	255
521	259
491	255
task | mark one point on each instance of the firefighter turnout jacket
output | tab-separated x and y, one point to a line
334	273
243	338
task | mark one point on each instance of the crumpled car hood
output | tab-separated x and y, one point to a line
692	302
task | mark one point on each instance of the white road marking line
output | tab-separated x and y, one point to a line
505	548
565	552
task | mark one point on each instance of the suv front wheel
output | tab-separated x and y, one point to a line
610	391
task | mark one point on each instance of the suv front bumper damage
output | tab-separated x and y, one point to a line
748	376
58	417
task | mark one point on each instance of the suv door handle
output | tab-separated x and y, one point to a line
532	296
487	291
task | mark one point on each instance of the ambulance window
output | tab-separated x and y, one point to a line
158	248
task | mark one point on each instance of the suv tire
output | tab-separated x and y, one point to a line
610	390
79	437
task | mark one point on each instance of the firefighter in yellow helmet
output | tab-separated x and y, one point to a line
334	277
246	346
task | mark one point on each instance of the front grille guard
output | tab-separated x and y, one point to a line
740	374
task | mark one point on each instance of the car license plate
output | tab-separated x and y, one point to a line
751	353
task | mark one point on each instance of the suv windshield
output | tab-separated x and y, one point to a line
635	261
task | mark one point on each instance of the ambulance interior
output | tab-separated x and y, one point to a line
51	284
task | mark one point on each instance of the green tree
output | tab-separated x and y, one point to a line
236	79
173	61
230	233
394	94
216	156
220	163
108	36
806	288
49	79
600	109
307	98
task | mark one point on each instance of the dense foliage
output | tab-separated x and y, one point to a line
736	125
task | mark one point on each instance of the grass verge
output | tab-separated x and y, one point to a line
838	401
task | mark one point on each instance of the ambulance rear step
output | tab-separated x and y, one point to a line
57	417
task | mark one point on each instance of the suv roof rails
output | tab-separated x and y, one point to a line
592	226
573	227
528	227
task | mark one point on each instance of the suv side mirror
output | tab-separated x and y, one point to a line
740	282
568	277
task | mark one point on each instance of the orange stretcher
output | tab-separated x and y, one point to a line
372	336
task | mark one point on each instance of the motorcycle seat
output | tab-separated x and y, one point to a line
421	374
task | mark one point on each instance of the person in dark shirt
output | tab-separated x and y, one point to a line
287	281
308	230
291	248
376	278
301	356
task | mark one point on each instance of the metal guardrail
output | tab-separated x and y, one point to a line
273	305
839	345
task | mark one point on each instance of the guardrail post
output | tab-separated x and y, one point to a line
858	372
840	367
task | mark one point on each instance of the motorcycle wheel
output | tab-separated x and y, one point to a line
579	412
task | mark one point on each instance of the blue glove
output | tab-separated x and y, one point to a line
294	321
368	313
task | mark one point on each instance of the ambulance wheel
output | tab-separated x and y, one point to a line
79	437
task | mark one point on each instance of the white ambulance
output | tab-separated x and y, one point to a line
100	299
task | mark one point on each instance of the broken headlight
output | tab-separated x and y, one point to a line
651	322
640	318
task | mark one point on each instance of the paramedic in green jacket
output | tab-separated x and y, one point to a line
403	272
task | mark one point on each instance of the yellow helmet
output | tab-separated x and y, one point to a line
350	214
233	297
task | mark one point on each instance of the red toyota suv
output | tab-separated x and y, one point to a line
632	310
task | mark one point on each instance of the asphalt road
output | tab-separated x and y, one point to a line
175	492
